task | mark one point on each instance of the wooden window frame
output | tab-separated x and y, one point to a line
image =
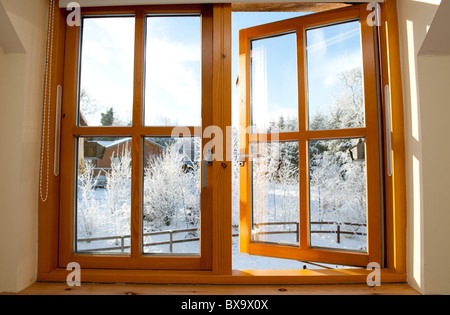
220	95
137	132
369	131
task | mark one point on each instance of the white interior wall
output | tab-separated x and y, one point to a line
434	79
21	75
426	105
433	65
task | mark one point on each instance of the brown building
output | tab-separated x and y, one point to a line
101	152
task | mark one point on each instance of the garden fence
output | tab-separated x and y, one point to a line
121	244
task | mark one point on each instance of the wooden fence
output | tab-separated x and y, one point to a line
338	230
171	241
123	246
296	231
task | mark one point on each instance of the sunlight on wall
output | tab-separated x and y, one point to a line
416	251
412	80
436	2
415	17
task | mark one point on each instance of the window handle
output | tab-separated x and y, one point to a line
243	157
388	130
57	130
207	161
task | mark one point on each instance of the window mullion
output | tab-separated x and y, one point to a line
136	152
302	141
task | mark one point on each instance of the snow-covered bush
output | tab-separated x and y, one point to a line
172	187
275	183
117	198
338	188
88	206
104	209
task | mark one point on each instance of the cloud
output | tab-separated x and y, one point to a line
108	64
321	44
332	50
173	75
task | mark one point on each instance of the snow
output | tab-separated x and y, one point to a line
104	223
337	194
239	260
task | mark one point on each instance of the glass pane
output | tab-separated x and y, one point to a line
103	208
335	85
274	88
275	193
173	71
106	73
171	210
338	203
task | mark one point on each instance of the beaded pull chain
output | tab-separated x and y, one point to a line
45	142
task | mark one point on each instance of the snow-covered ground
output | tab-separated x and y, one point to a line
105	212
103	226
239	260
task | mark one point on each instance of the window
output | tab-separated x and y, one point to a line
133	149
136	198
309	95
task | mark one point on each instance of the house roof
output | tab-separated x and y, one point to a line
111	143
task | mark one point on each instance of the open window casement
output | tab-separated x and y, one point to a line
310	176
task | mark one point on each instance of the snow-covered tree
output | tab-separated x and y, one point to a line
117	198
349	105
235	177
88	107
275	183
88	206
347	109
108	117
172	186
338	184
355	189
283	124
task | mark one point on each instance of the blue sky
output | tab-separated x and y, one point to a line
330	50
172	60
173	63
173	82
108	65
242	20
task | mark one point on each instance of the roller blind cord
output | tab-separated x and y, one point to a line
47	93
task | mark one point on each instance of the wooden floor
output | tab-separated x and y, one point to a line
138	289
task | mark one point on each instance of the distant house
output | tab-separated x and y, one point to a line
100	152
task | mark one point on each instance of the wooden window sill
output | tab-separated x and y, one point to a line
45	288
329	276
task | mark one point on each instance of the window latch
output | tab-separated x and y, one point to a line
388	129
207	161
243	158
